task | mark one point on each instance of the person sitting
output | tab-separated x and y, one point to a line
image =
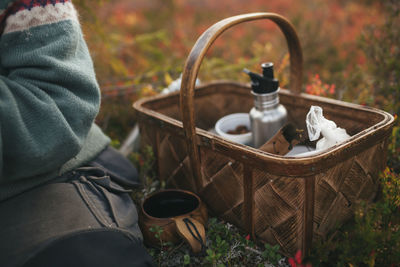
64	197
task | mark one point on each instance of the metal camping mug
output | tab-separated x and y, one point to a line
179	213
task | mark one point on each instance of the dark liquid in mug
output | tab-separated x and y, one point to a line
170	204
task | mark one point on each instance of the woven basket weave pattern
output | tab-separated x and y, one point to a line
278	199
284	201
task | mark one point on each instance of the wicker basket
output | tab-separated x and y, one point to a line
281	200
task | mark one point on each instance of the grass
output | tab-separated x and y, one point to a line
225	246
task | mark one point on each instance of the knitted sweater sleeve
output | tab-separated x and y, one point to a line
49	96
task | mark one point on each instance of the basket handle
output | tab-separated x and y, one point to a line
196	56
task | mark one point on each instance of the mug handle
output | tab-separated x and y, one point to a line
192	231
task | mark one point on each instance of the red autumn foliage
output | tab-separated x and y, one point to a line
297	260
154	35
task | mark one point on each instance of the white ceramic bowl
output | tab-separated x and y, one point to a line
230	122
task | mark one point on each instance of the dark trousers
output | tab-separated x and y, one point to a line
83	218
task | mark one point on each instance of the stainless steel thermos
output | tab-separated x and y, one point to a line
268	115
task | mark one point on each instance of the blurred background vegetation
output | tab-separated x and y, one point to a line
351	48
351	52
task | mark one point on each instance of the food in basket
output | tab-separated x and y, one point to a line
284	140
240	129
235	127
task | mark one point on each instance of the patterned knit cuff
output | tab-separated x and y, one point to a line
25	14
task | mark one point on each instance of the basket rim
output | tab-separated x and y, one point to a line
206	138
